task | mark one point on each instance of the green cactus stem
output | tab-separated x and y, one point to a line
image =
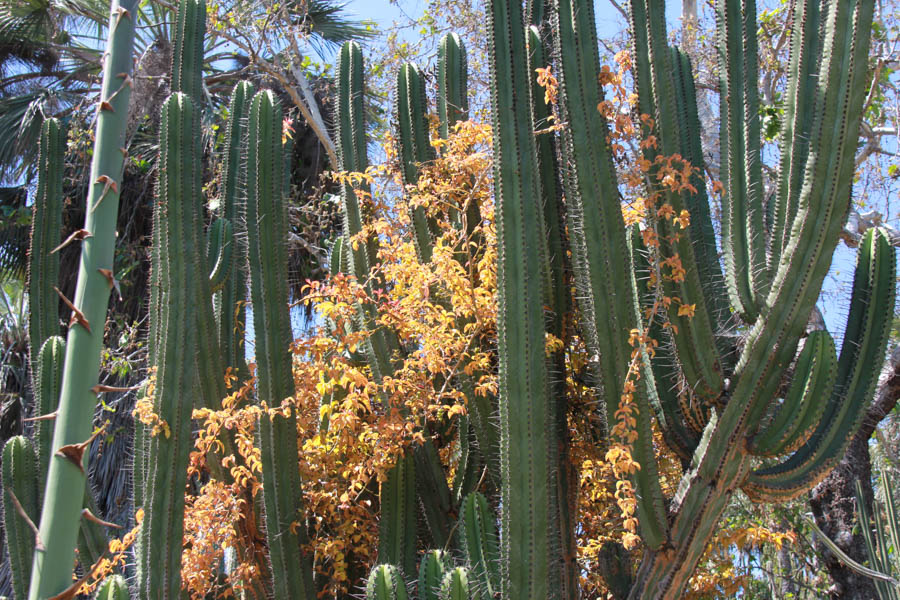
397	523
21	508
47	383
267	241
43	262
113	588
187	56
456	585
478	531
385	583
52	571
434	565
220	253
173	334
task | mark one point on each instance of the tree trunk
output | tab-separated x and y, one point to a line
833	501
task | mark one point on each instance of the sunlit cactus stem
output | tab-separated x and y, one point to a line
52	571
267	241
187	55
113	588
385	583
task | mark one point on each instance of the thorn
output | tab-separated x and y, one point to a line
87	514
77	315
100	389
47	417
38	545
105	105
124	152
75	452
108	183
71	592
122	12
77	235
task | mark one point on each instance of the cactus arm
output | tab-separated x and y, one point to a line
174	333
862	353
434	565
742	210
62	502
479	542
397	525
414	149
890	510
229	301
525	414
20	477
806	40
385	583
267	237
187	56
694	336
113	588
603	274
802	408
455	585
434	493
878	576
43	263
703	236
47	384
220	253
352	156
453	97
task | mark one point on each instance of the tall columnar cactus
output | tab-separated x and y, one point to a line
21	507
230	299
43	261
53	561
480	542
174	344
187	56
435	564
267	235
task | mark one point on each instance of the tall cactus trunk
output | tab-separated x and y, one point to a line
52	569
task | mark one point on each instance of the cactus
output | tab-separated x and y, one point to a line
20	509
47	381
397	523
112	588
187	55
267	233
456	585
385	583
479	533
51	573
174	339
43	261
435	564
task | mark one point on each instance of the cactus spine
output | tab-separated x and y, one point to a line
113	588
47	382
267	234
385	583
51	574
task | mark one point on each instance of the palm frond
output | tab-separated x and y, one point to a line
14	229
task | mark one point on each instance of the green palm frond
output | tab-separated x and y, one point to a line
14	229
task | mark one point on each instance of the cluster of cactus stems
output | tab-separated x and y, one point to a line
719	405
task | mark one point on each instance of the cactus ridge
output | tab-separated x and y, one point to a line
453	97
267	234
43	263
187	56
220	253
20	476
434	493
